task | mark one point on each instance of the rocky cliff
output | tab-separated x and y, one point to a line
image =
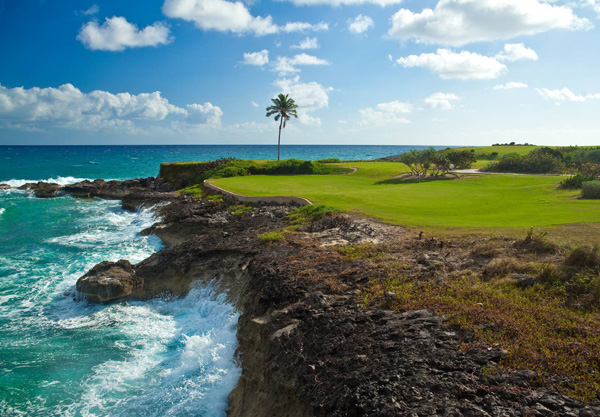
307	345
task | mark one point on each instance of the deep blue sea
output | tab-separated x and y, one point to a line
61	357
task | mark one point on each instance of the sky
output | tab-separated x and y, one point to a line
368	72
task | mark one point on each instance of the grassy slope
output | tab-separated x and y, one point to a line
490	201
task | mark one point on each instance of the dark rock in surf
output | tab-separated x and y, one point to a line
42	189
109	281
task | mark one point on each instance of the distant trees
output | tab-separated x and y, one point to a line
283	108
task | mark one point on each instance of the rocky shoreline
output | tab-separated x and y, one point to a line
307	345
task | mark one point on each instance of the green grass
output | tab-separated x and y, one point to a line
485	201
270	237
194	191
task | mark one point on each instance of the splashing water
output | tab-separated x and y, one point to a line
71	358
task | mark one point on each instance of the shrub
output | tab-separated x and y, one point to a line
310	213
574	182
591	190
329	160
462	159
536	162
584	257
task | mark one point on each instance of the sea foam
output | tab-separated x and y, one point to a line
57	180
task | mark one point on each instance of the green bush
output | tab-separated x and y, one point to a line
591	190
539	161
329	160
575	181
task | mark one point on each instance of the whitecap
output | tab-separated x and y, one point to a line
58	180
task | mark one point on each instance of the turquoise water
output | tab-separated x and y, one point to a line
126	162
63	357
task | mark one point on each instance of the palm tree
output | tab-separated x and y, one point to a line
283	107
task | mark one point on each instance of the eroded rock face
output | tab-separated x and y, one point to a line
110	281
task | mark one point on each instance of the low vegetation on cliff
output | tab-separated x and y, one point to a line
186	174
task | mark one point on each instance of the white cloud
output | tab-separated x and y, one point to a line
308	43
467	65
360	24
516	52
286	65
456	65
565	94
458	22
227	16
304	27
309	97
441	101
335	3
67	107
510	86
254	103
117	34
206	113
94	9
256	58
385	114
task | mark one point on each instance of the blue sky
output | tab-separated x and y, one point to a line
443	72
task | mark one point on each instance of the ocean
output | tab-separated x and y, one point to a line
64	357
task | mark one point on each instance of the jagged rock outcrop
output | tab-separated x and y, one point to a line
5	187
42	189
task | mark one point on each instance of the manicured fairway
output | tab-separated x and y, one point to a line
483	201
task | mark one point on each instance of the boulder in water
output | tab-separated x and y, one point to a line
5	187
109	281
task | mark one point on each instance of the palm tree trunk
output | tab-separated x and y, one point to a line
279	140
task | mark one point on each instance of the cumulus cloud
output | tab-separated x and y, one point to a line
67	107
286	65
516	52
310	96
385	114
360	24
510	86
456	65
441	101
308	43
227	16
467	65
206	113
565	94
117	34
259	59
458	22
336	3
